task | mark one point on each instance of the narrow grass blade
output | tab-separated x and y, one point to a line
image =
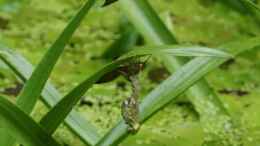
174	86
181	51
58	113
23	69
33	87
20	125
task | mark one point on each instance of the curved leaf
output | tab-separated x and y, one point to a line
148	23
35	84
176	84
58	113
21	126
50	96
178	50
33	87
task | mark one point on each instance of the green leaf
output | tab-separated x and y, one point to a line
150	26
33	87
176	84
80	127
58	113
163	94
182	51
23	69
20	125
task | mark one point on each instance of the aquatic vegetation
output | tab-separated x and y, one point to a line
97	67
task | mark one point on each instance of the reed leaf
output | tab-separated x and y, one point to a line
58	113
50	96
20	125
34	85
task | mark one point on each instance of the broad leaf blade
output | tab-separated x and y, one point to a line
17	122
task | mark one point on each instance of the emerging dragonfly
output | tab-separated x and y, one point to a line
130	106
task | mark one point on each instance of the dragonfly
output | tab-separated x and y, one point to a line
130	106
